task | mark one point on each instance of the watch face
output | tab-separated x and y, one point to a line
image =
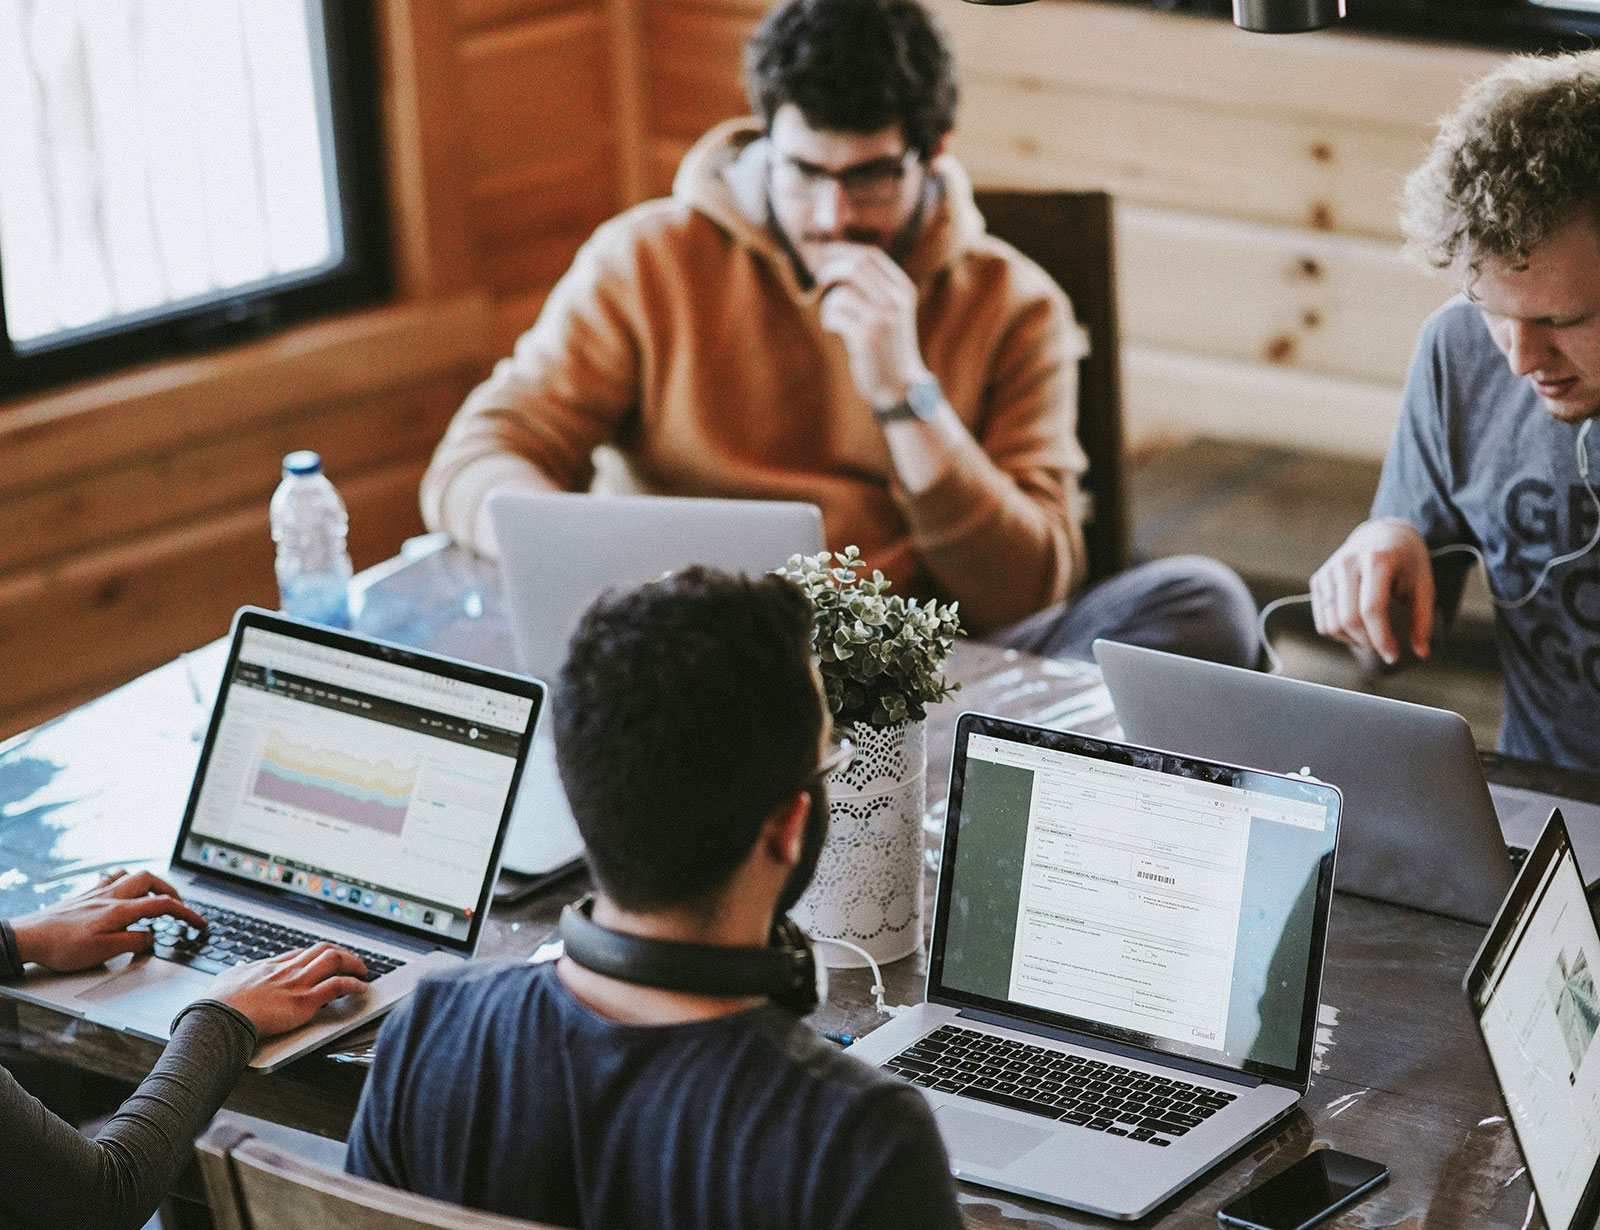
924	398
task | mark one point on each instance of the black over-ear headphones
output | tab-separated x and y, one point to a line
786	971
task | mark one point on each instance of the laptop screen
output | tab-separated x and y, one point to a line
1533	991
1165	902
371	779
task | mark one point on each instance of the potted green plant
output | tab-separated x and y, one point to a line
882	659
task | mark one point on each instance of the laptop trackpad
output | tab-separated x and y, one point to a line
973	1138
145	996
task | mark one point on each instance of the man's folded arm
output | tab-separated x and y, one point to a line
1001	530
571	380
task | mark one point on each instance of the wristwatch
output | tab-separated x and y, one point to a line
922	401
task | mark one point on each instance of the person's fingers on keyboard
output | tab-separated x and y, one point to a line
138	884
132	908
327	960
283	992
116	917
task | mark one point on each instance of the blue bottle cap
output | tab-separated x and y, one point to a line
302	462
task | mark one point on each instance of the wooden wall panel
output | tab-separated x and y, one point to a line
695	60
1166	393
156	408
97	507
475	15
1309	172
544	154
531	91
1331	304
1206	62
109	615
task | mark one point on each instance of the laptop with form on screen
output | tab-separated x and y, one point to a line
347	790
1125	964
1531	989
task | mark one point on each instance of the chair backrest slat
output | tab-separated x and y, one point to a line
251	1185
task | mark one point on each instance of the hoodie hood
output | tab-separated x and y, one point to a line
724	177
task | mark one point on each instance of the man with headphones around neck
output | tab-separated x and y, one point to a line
658	1073
1491	457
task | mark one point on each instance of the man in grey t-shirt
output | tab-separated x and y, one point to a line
1492	448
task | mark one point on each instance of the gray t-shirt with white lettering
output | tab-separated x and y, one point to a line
1477	459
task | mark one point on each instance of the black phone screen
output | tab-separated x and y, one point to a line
1311	1189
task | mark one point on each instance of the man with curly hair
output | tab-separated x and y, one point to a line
1491	456
816	313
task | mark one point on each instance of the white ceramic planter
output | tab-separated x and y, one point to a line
868	886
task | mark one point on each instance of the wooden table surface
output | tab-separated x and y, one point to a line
1400	1074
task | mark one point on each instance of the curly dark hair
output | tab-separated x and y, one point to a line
687	710
855	66
1512	164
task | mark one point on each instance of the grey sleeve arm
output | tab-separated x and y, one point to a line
52	1175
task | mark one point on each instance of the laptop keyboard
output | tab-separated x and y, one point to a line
1072	1088
234	938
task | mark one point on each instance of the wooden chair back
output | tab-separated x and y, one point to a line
1069	235
253	1185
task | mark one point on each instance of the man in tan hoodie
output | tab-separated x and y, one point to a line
818	314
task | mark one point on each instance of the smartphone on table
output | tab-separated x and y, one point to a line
1317	1186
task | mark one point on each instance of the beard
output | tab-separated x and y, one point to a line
816	834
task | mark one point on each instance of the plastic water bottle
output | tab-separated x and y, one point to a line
309	524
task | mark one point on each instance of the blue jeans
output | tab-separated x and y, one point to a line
1184	604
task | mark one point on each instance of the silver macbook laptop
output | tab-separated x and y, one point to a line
1125	966
1532	992
347	790
559	551
1420	825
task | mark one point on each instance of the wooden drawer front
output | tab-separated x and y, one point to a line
1331	304
1168	393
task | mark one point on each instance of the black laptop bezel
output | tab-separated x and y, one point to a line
247	618
1554	844
1114	752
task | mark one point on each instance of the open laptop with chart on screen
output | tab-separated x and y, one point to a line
1125	964
347	790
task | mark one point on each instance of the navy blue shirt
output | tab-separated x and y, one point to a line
495	1087
1477	459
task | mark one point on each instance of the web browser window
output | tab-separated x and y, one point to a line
376	786
1539	1011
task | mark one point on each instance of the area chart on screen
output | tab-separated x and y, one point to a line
335	784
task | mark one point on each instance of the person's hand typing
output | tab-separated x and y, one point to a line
1382	560
870	303
92	928
284	992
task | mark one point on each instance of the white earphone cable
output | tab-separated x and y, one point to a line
1275	663
877	974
